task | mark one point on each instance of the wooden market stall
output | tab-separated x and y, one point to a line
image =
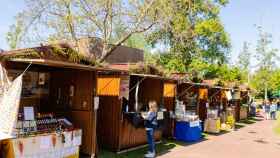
169	102
214	110
202	101
236	103
195	97
215	97
62	89
120	126
244	102
190	111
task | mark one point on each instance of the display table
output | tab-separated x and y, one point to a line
243	113
52	145
188	131
212	125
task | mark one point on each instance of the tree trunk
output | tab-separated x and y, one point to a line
265	92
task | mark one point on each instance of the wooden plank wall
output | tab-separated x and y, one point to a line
109	120
214	97
202	110
79	108
115	131
237	109
133	137
169	123
149	89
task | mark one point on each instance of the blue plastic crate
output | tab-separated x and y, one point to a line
184	132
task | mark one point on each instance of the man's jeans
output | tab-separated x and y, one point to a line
150	138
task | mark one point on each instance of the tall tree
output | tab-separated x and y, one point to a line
51	20
243	62
244	57
265	56
193	29
14	36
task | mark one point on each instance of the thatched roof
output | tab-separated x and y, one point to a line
56	52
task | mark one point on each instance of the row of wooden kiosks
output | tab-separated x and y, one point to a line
104	104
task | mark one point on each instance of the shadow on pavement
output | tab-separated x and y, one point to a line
179	143
162	148
239	126
261	141
218	134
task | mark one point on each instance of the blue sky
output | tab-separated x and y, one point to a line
8	9
239	18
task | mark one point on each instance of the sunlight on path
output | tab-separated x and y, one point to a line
256	140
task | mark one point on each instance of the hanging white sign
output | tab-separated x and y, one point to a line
9	105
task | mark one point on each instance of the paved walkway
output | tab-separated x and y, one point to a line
252	141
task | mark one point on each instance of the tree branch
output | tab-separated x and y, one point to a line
106	52
85	7
117	44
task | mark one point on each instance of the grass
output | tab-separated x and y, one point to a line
160	148
248	121
167	145
277	126
242	123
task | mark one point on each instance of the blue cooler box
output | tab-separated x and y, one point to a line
188	131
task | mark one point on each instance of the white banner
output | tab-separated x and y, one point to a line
4	81
9	104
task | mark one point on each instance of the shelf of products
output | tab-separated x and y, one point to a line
213	122
49	145
43	123
188	126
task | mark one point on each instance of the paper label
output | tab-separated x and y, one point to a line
194	123
77	140
96	103
124	87
28	113
68	139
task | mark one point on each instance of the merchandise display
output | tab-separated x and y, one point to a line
230	118
243	112
212	125
52	145
37	134
213	122
183	115
188	126
212	113
44	123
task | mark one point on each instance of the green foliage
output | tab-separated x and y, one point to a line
266	57
225	73
14	36
172	63
275	80
244	58
193	28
